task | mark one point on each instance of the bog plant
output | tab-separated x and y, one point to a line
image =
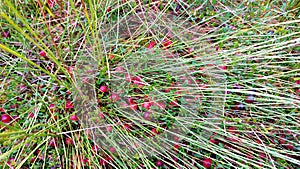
149	84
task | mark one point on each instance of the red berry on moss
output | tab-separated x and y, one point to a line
250	99
159	163
2	110
69	105
73	118
114	97
290	147
133	106
95	148
126	127
5	118
207	163
151	45
112	150
176	146
5	34
43	54
147	115
69	141
240	106
146	105
53	143
103	89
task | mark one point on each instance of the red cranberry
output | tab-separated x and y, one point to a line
146	105
147	115
159	163
5	118
109	128
167	43
151	45
52	143
95	148
126	127
2	110
69	105
232	129
73	118
290	147
112	150
176	146
240	106
134	106
69	141
154	131
114	97
223	67
43	54
250	99
5	34
103	89
207	163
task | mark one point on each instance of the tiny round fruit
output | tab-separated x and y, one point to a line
5	34
103	89
134	106
69	141
159	163
43	53
207	163
112	150
147	115
250	99
73	118
126	126
69	105
114	97
151	45
5	118
146	105
176	146
240	106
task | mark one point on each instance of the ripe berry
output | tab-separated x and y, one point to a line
151	45
53	143
223	67
176	146
5	118
207	163
112	150
2	110
109	128
167	43
43	54
240	106
126	126
103	89
250	99
159	163
114	97
147	115
232	129
5	34
154	131
134	106
146	105
95	148
290	147
69	105
69	141
73	118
